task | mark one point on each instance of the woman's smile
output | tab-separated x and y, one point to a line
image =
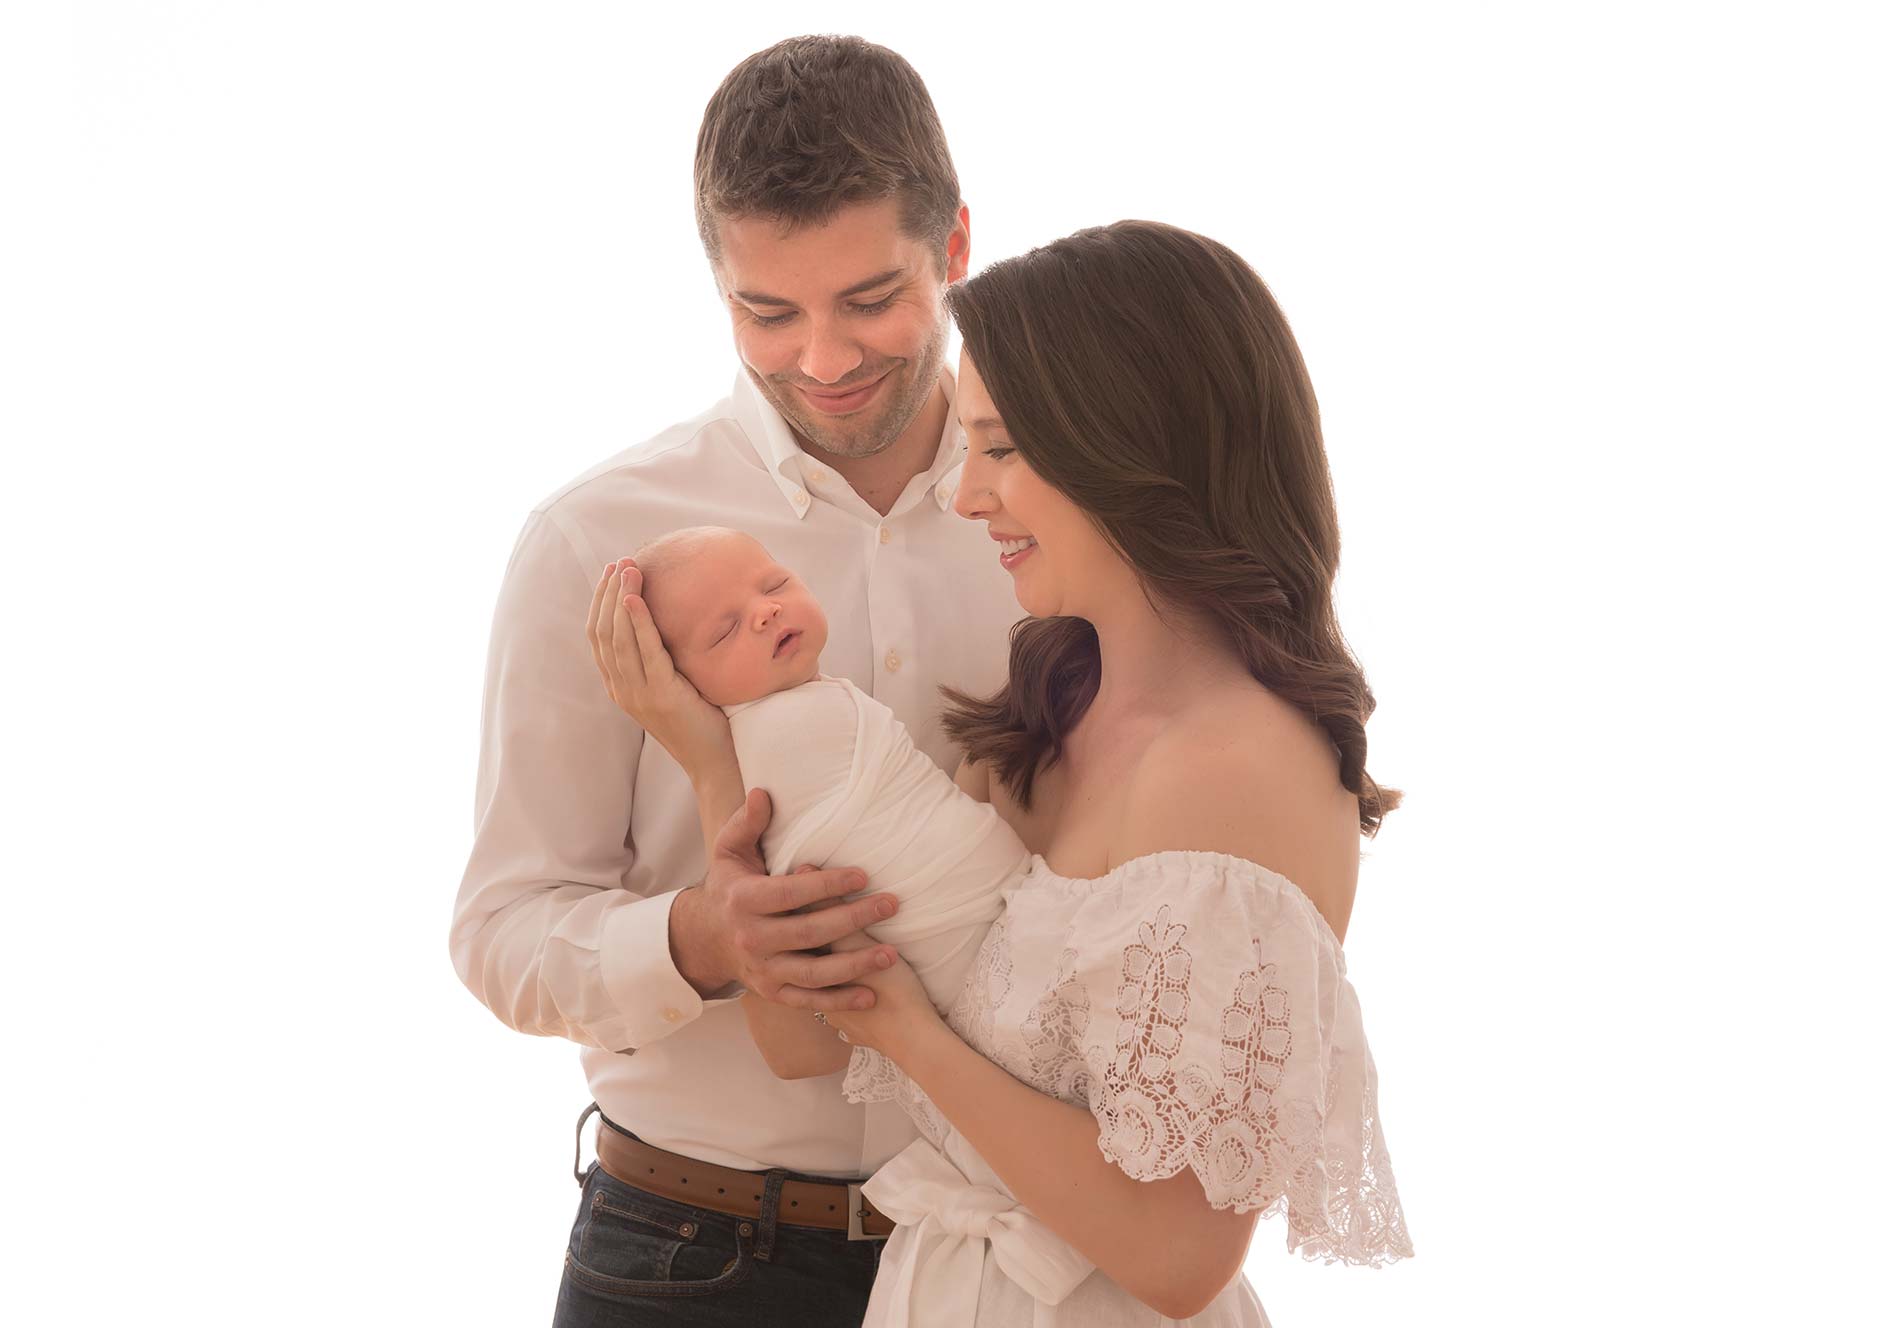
1021	551
1015	547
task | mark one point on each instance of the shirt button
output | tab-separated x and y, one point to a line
671	1015
892	662
801	500
883	534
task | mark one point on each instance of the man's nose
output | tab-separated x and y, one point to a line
829	354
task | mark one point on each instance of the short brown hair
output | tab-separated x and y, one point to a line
803	128
1147	374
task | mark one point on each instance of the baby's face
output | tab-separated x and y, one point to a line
737	624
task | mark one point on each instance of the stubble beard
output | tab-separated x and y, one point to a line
855	441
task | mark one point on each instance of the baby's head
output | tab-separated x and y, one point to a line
738	625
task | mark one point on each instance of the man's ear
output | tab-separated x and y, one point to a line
957	248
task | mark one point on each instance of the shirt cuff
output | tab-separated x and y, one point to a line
636	966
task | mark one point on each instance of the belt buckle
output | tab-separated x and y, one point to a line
854	1211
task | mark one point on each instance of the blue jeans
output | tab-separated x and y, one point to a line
638	1258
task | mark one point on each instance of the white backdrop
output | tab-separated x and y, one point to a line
304	305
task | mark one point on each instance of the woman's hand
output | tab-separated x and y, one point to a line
903	1011
640	677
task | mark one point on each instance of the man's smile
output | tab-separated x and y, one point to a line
843	403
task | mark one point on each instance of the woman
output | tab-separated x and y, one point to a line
1158	1042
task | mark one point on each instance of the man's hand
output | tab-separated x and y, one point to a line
769	932
639	674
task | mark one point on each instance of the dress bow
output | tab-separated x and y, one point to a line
946	1220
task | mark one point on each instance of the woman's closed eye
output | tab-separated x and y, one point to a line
997	453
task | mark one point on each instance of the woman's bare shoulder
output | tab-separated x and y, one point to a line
973	777
1255	779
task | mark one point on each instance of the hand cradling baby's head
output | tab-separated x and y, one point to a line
737	624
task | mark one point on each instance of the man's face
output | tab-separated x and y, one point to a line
841	325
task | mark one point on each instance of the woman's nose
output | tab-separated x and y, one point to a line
974	499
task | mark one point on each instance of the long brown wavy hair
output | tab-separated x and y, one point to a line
1146	373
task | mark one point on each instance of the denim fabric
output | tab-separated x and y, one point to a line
638	1258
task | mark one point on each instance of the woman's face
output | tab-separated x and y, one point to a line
1061	563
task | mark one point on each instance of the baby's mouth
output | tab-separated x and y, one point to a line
785	641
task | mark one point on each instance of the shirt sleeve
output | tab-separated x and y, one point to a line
1236	1050
543	932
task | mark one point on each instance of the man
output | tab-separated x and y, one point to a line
831	215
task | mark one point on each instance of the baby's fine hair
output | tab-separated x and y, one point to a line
660	555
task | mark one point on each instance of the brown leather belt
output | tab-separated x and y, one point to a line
834	1206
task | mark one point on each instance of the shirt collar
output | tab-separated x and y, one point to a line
784	459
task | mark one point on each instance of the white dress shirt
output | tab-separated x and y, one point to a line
584	831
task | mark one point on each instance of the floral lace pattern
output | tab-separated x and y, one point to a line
1250	1146
1220	1037
1053	1035
873	1077
1139	1130
973	1013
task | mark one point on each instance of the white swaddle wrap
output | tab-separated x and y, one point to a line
850	789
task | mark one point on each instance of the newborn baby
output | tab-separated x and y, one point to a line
848	787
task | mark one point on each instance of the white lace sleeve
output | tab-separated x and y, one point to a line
871	1077
874	1077
1237	1051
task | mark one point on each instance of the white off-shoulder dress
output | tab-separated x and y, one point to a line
1197	1005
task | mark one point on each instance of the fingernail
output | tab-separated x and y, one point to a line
862	1003
626	578
885	908
883	958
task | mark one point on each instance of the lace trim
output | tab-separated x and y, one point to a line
874	1077
973	1014
871	1077
1053	1030
1249	1147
